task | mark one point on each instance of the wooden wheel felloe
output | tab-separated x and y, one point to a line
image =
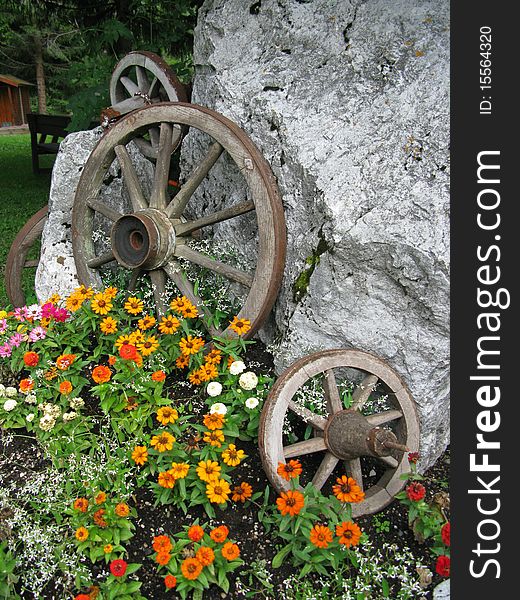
139	79
153	238
385	435
17	259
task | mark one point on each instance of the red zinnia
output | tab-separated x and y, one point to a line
118	567
82	597
416	491
170	581
442	566
413	457
445	534
31	359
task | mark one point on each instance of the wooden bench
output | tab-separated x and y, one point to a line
44	126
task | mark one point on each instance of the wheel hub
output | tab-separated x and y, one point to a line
144	239
349	435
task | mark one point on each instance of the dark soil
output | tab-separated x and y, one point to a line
242	521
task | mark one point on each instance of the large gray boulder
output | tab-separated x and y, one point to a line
56	270
349	103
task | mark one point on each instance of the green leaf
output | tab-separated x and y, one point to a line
278	559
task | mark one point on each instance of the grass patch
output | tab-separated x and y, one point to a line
22	194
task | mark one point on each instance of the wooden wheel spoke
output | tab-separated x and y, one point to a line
158	197
129	85
306	447
327	466
389	461
330	388
317	421
130	178
217	217
185	287
363	391
142	79
158	277
353	469
103	259
102	208
154	137
179	202
153	91
184	251
384	417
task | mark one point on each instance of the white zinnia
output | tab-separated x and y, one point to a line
47	422
248	381
10	405
219	408
76	402
69	416
237	367
252	402
31	399
214	388
11	392
2	390
30	417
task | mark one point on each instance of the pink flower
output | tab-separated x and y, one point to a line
3	325
15	340
21	313
34	311
5	350
38	333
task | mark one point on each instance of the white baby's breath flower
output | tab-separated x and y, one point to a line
248	380
11	392
214	388
10	405
237	367
252	403
219	408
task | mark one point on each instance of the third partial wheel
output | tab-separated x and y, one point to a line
350	413
154	238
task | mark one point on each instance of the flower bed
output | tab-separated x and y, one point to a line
134	469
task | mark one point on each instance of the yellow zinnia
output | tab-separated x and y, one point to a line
163	441
215	437
134	305
218	491
148	345
233	457
108	325
208	470
146	322
100	304
190	345
179	470
167	414
166	479
73	302
169	324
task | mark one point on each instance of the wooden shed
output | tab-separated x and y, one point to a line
14	101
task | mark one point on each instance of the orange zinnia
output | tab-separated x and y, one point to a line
230	551
163	558
166	479
128	352
81	534
219	534
81	504
196	377
162	543
289	470
122	510
100	498
347	490
191	568
26	385
349	533
98	518
101	374
205	555
65	387
321	536
242	492
214	421
140	455
195	533
290	502
64	361
31	359
158	376
170	581
183	361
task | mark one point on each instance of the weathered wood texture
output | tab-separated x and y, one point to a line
46	131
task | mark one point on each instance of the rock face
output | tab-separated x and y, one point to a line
348	101
56	270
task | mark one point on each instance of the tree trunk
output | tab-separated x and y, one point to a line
40	75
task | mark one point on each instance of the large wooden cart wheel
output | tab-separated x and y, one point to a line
344	435
153	238
139	79
17	259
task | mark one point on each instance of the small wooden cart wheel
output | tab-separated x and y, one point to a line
153	238
344	435
139	79
17	258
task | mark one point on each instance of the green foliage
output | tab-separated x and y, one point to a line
8	577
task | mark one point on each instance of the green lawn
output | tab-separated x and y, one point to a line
22	193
